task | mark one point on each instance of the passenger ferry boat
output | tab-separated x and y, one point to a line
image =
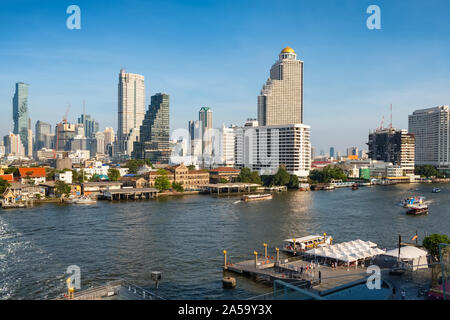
412	201
305	243
418	210
256	197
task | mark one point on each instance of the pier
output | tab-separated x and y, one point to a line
130	193
227	188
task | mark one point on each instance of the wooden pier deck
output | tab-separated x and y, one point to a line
290	270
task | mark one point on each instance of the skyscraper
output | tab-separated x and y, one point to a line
153	141
205	118
41	129
281	99
396	146
331	152
431	128
91	126
20	112
131	110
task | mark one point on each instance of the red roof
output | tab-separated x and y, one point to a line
224	169
35	172
7	177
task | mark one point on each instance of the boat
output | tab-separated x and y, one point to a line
436	190
418	210
256	197
412	201
82	200
304	187
305	243
355	186
328	187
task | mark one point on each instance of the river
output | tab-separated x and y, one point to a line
184	237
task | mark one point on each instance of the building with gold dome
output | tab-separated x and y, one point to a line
281	99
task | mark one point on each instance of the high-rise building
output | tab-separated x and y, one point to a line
109	135
20	112
431	128
281	99
395	146
30	140
332	152
97	144
352	151
153	141
64	133
91	126
41	129
131	112
13	145
205	116
196	140
265	148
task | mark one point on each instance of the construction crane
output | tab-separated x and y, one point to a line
390	125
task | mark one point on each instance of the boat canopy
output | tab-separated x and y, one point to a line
305	239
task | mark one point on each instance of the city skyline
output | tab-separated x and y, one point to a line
350	72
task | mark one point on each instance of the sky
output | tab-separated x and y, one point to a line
218	54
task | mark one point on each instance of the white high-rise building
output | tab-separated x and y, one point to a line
131	110
265	148
281	98
13	145
431	128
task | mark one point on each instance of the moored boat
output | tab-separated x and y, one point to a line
355	186
305	243
256	197
82	200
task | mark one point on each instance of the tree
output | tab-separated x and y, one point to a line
246	175
113	174
78	176
162	181
431	243
281	178
293	182
3	185
50	174
428	171
134	165
177	187
14	171
62	188
327	174
223	180
95	178
191	167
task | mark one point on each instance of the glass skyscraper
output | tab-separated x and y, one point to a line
153	141
20	112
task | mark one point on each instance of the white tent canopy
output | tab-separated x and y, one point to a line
348	251
415	256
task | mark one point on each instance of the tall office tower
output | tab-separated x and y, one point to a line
30	140
153	141
281	99
332	152
49	141
196	140
352	151
205	117
396	146
13	145
64	133
431	128
265	148
97	144
41	129
225	156
20	112
90	125
131	110
109	138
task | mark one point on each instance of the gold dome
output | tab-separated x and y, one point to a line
288	50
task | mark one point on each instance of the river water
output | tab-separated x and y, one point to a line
184	237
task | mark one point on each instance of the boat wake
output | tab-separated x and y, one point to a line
237	201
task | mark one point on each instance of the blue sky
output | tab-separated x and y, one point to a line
218	54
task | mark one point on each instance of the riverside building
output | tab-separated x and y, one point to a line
391	145
431	128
